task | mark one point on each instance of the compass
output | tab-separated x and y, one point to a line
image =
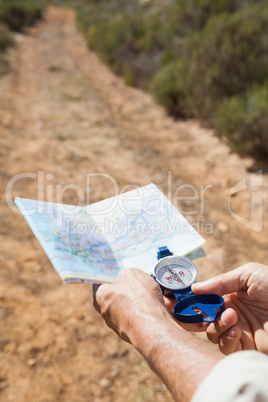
175	273
175	276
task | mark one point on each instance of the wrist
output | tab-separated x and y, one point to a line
148	329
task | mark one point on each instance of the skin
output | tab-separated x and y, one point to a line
244	323
136	310
134	307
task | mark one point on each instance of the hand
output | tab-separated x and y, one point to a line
134	307
132	295
244	323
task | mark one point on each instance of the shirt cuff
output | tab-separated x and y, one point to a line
239	377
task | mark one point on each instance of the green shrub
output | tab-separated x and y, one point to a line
19	14
222	50
15	15
121	33
129	78
188	16
6	38
4	63
168	89
243	120
227	58
108	38
167	57
128	44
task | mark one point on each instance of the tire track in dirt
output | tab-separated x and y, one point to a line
65	114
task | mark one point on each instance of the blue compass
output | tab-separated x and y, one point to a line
175	275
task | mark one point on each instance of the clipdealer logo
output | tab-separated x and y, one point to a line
254	186
184	194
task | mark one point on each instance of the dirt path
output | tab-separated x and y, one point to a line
65	114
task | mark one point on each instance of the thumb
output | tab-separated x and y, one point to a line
229	282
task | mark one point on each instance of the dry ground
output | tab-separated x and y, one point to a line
65	114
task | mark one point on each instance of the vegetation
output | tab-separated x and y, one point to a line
243	120
6	40
125	38
199	58
19	14
227	58
15	16
168	89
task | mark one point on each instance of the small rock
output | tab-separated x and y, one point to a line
37	268
31	362
104	383
222	227
115	371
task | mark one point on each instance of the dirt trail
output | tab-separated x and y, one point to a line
65	114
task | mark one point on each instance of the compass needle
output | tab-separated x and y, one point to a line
175	273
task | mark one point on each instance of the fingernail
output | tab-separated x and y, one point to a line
225	317
198	285
202	284
231	333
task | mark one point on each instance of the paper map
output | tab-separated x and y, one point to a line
94	243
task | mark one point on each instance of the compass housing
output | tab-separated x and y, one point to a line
175	274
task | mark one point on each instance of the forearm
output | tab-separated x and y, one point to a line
180	360
134	308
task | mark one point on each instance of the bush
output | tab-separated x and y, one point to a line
19	14
123	33
6	38
128	43
168	89
129	77
243	120
188	16
227	58
108	38
14	15
199	54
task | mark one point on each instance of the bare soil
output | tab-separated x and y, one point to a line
65	115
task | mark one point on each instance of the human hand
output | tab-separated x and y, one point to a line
133	296
244	323
133	306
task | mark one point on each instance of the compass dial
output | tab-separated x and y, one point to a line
175	272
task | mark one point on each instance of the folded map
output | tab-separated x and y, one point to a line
94	243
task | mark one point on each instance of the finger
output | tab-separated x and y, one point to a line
170	303
230	340
98	291
229	282
200	327
227	320
95	287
